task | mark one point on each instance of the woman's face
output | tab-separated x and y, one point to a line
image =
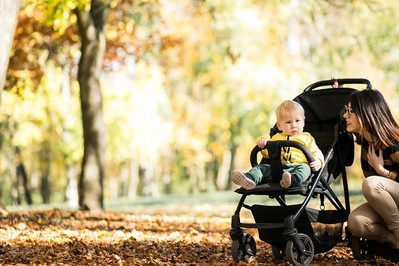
352	121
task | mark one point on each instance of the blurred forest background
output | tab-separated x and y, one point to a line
187	86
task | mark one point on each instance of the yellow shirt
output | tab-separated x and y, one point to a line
294	155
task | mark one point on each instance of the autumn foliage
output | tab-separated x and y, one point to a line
67	237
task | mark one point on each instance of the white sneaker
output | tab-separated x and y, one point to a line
285	181
240	179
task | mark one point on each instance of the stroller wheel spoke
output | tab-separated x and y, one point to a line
297	256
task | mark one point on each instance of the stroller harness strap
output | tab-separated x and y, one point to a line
276	168
287	154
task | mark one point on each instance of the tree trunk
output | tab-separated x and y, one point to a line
133	179
45	188
224	171
71	192
233	152
22	175
44	162
8	21
91	27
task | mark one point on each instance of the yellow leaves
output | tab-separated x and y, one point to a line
26	111
82	238
194	232
89	255
27	133
41	221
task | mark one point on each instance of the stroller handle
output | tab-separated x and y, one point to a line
281	143
330	82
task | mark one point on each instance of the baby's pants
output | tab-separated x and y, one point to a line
261	173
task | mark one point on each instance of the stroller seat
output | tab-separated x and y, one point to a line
274	149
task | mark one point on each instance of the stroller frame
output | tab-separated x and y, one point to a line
288	228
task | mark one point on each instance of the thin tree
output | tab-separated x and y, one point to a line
91	23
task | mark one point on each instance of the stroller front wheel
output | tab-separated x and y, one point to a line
297	256
243	249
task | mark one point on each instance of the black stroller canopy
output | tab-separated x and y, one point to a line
323	111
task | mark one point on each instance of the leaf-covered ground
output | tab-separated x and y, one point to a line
190	235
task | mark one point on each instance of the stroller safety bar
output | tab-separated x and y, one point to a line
278	144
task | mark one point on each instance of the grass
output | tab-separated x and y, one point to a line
229	199
198	202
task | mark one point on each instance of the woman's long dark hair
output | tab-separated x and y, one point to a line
375	117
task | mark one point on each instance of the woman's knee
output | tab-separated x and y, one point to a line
371	185
360	219
354	224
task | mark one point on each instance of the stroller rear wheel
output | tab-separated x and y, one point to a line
243	249
297	256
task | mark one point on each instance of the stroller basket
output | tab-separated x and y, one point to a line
324	227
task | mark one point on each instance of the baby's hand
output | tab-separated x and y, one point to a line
261	143
315	165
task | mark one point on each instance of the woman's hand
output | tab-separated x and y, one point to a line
261	143
315	165
376	161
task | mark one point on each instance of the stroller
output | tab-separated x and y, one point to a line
295	231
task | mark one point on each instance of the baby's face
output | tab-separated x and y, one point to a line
291	124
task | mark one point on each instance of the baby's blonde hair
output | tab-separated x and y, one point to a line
289	107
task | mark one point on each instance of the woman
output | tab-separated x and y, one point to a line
369	117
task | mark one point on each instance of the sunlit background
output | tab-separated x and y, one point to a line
187	85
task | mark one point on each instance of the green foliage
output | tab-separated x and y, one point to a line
186	84
58	14
46	123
